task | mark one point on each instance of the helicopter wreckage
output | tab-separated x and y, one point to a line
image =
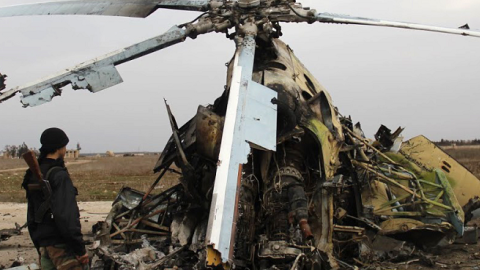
328	196
271	175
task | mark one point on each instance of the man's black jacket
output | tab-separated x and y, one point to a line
61	225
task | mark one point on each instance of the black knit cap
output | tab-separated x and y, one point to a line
53	139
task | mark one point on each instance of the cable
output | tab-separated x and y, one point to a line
194	20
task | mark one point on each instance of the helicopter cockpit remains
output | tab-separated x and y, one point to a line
271	175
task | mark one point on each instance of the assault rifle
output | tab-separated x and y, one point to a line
43	185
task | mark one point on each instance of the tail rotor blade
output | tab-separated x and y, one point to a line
250	122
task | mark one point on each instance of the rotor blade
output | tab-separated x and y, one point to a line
250	121
345	19
126	8
94	75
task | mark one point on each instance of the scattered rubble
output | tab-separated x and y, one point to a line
5	234
32	266
384	206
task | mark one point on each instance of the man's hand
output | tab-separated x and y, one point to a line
83	259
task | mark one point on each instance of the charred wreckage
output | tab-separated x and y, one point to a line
271	175
326	198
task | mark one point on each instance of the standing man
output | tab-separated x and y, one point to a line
54	225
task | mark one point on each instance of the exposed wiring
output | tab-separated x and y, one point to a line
194	20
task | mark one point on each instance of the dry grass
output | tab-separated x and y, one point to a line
468	156
6	164
99	179
102	178
464	153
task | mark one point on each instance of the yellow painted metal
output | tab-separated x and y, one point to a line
214	258
390	181
427	156
325	240
397	225
300	82
456	217
323	124
330	146
375	197
309	84
398	199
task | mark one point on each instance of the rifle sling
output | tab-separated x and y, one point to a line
47	200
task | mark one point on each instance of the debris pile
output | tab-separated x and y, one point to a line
5	234
385	205
140	229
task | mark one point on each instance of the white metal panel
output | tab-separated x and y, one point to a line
40	98
261	117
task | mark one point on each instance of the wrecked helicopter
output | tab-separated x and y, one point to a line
272	175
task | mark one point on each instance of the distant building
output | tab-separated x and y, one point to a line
72	153
5	155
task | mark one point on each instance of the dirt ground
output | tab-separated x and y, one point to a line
21	245
97	178
73	162
456	256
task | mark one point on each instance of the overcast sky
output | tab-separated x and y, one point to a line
426	82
